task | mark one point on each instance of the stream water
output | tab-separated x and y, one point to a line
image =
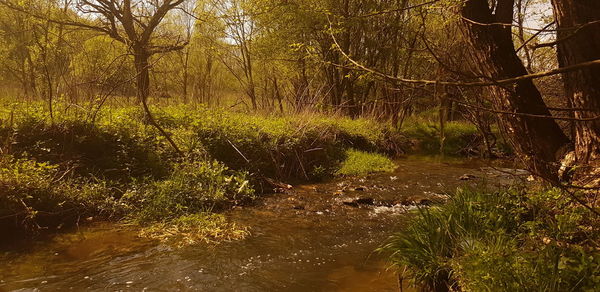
318	237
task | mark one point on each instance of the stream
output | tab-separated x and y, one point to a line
318	237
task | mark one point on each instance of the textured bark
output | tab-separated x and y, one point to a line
539	142
578	40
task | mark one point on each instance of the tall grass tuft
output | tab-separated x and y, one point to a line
500	241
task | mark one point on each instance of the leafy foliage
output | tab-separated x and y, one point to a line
37	195
192	187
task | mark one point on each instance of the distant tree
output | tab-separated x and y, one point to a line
135	23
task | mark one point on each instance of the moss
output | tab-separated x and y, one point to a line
360	163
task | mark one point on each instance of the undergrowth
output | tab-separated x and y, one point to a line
61	171
500	241
461	138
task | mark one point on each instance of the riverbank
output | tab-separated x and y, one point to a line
316	237
68	170
75	168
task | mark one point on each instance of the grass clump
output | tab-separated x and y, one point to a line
195	228
179	208
500	241
360	163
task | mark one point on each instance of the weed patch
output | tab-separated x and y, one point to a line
192	188
195	228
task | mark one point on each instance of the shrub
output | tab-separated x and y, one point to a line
36	195
192	187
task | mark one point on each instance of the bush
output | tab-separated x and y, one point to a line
360	163
36	195
500	241
192	187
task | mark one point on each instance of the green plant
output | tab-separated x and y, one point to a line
192	187
359	163
37	195
500	241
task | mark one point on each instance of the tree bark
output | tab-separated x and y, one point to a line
578	40
539	142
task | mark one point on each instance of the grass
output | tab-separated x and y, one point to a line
361	163
117	167
196	228
461	138
500	241
296	148
192	188
114	165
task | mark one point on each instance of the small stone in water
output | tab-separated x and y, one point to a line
467	177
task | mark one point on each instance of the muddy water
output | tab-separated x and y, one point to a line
317	238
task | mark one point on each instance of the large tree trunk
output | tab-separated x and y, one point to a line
539	142
578	40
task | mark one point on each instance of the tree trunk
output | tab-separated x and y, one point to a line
186	74
538	141
578	41
142	68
